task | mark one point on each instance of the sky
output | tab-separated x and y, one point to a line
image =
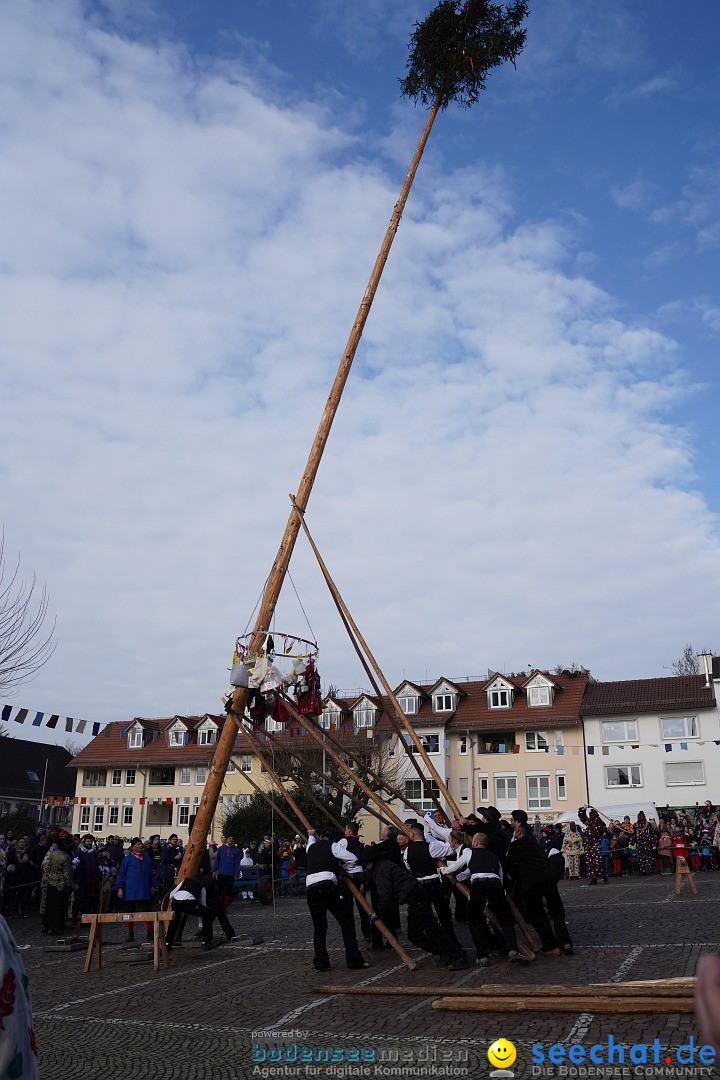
523	468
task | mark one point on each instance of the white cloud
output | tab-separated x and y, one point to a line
182	261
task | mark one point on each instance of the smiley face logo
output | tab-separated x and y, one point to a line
502	1054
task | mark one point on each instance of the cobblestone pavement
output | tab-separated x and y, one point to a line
203	1016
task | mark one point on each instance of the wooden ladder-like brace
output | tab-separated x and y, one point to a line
682	869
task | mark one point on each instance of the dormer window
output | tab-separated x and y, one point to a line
443	703
540	691
409	705
206	736
365	717
177	737
538	695
135	739
499	699
330	715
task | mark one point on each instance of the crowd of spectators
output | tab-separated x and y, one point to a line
62	876
641	847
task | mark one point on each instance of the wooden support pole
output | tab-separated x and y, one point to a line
347	770
333	783
397	728
381	677
390	788
586	1004
379	924
280	786
391	940
276	808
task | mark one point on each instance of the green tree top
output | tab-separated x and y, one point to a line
454	48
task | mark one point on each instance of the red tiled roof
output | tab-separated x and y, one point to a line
110	746
474	714
673	694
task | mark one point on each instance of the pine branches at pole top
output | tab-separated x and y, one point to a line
452	52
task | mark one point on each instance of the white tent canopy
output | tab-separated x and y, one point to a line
616	813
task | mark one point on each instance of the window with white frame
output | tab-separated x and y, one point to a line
623	776
416	792
329	716
444	702
364	718
94	777
183	817
206	736
464	785
621	731
408	705
483	789
231	767
98	818
506	790
113	815
463	741
85	817
246	763
684	773
274	725
431	743
200	774
177	737
499	699
561	785
116	777
679	727
129	778
185	774
558	739
135	739
538	695
536	740
127	815
243	801
538	793
391	746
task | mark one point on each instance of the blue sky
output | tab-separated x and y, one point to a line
523	468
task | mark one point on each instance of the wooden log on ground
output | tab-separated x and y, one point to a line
588	1004
522	990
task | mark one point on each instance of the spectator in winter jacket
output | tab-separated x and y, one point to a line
136	883
228	868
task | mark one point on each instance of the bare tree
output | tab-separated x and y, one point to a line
689	663
25	642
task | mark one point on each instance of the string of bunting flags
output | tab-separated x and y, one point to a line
49	720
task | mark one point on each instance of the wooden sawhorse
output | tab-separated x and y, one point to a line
682	868
159	919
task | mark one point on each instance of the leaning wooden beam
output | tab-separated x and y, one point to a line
503	991
389	937
332	782
589	1004
346	768
276	808
390	788
397	728
381	677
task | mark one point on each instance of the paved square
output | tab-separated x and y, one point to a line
196	1020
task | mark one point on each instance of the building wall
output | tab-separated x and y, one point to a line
107	804
609	760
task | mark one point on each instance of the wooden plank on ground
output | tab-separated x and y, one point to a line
503	992
589	1003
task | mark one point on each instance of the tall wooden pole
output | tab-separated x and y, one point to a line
216	775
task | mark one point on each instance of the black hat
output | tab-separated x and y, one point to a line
490	813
